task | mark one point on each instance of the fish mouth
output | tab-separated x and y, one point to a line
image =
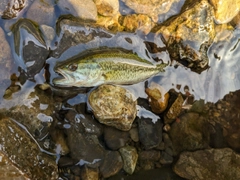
65	79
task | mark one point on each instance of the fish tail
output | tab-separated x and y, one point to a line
161	67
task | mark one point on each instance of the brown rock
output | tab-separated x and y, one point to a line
107	7
209	164
11	8
113	106
88	173
158	98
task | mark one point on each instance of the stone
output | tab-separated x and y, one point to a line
209	164
8	170
165	158
152	8
174	110
84	9
136	22
115	138
112	164
189	35
10	8
24	152
150	155
191	133
225	11
130	156
42	12
107	7
113	106
150	134
134	134
157	97
88	173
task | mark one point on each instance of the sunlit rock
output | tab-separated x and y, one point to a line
130	156
107	7
85	9
134	22
190	132
25	153
88	173
189	35
42	12
208	164
113	106
157	97
225	11
152	8
11	8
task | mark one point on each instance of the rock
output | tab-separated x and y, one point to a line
75	32
189	36
152	8
225	11
23	151
107	7
49	34
85	9
191	133
166	158
174	110
11	8
112	163
134	134
8	170
208	164
42	12
134	22
113	106
88	173
157	97
130	156
150	155
115	138
150	134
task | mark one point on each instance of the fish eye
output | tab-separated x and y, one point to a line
72	67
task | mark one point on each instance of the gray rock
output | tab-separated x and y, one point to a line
191	133
209	164
112	163
130	156
150	134
115	138
166	158
24	152
84	9
42	12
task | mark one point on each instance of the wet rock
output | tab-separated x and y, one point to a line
225	11
107	7
49	34
157	97
8	170
134	134
29	47
112	163
191	133
130	156
208	164
18	145
115	138
113	106
75	32
42	12
150	134
134	22
85	9
166	158
10	8
152	8
88	173
174	110
150	155
189	36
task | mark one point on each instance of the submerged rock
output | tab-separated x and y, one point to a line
130	156
113	106
84	9
189	35
209	164
88	173
107	7
10	8
25	153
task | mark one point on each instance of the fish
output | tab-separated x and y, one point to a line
111	66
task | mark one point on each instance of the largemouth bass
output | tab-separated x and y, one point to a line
97	67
